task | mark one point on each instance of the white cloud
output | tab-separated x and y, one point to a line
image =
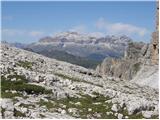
18	32
120	28
79	28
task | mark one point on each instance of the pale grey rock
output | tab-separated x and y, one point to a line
63	112
89	109
24	110
126	117
147	114
114	107
7	104
116	114
147	76
78	103
120	116
73	111
8	115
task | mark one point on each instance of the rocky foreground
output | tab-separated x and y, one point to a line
34	86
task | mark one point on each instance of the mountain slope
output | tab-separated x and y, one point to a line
34	86
64	56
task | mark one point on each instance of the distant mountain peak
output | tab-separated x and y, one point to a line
84	38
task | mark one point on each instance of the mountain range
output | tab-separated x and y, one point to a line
82	49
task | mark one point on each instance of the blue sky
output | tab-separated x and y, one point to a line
27	22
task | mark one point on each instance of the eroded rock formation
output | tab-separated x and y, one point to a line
137	56
155	41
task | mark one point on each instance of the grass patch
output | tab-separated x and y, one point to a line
18	113
87	102
27	105
42	116
25	64
21	85
48	104
75	79
136	67
10	95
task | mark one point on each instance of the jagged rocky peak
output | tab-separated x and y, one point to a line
85	38
46	39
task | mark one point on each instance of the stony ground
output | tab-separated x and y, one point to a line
34	86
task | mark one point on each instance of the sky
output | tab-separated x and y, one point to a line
28	21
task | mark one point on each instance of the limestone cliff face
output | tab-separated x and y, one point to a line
136	55
155	41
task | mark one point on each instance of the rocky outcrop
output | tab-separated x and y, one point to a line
135	64
137	57
121	69
155	41
127	67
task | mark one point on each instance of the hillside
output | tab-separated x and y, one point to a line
64	56
35	86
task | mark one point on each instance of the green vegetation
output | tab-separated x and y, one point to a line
42	116
64	56
2	111
75	79
25	64
18	113
10	94
96	104
48	104
18	77
136	67
88	107
27	105
20	85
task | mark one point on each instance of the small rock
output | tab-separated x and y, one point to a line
7	104
114	107
126	117
8	115
13	91
46	100
13	79
97	103
109	113
89	109
108	101
72	110
63	106
97	115
115	114
77	103
120	116
24	110
63	112
147	114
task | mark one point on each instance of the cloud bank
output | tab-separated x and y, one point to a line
120	28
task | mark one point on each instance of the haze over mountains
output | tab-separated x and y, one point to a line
81	49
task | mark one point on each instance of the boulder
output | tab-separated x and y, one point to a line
7	104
